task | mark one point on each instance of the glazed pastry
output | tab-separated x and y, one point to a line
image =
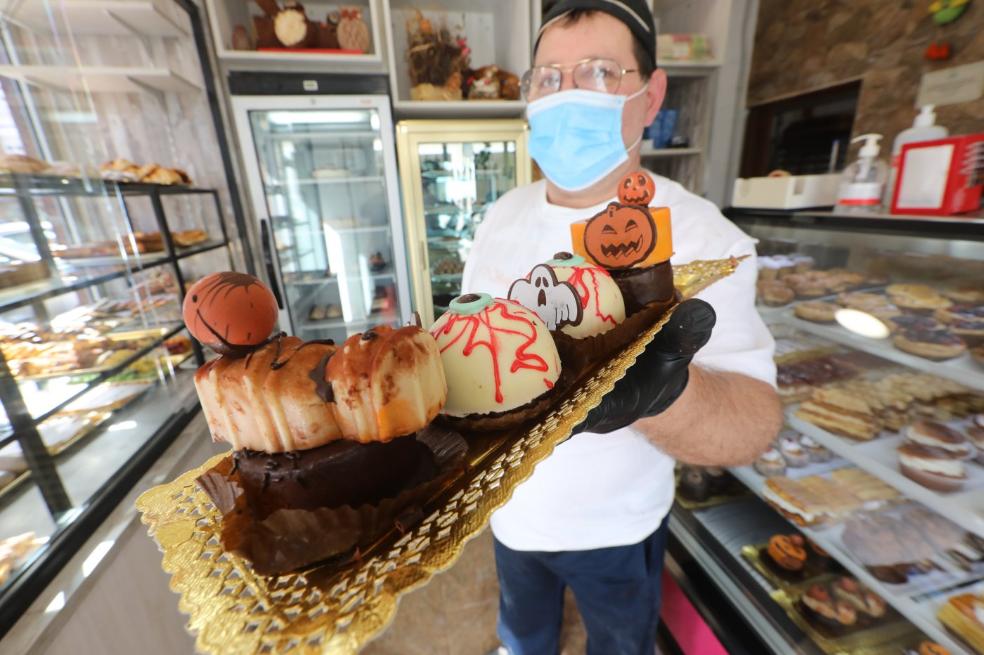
770	463
497	355
937	435
12	163
933	468
386	383
964	615
694	484
816	311
775	293
792	452
928	648
817	598
787	551
815	451
965	321
579	298
916	297
937	345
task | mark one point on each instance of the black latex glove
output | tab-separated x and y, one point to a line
659	375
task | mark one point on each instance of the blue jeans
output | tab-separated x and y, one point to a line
617	591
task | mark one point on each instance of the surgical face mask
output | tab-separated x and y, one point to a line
576	136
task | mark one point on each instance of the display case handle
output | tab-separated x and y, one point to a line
266	240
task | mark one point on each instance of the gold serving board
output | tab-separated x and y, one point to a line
340	608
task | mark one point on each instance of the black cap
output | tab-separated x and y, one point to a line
634	13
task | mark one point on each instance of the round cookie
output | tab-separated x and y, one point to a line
937	345
775	293
816	311
916	297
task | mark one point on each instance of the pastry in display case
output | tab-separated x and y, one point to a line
94	263
874	330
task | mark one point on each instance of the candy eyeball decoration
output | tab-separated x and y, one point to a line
620	236
230	312
636	189
555	302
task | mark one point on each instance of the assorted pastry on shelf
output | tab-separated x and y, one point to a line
124	170
31	352
289	27
862	408
933	454
911	543
15	273
842	605
331	311
700	486
963	615
784	278
140	243
790	450
790	559
826	498
15	550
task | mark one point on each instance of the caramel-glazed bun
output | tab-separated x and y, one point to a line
387	383
271	400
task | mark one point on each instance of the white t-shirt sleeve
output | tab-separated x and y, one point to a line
740	342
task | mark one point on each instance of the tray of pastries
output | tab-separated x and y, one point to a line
700	487
963	615
360	469
913	549
124	170
788	560
841	615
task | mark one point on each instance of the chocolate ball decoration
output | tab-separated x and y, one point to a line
230	312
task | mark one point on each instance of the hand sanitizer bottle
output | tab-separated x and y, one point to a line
864	180
924	128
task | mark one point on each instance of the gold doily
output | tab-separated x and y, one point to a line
233	610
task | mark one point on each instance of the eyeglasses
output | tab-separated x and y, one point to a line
602	75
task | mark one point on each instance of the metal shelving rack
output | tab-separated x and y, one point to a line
24	425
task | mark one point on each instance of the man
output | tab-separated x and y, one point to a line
592	516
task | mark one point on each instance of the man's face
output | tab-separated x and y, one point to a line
601	35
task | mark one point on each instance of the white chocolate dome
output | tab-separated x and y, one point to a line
497	355
601	299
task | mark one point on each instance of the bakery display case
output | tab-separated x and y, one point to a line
452	172
862	529
98	242
321	172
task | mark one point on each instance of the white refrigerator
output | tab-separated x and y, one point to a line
322	181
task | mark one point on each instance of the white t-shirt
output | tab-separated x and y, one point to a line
602	490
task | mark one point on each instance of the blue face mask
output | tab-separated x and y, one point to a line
576	136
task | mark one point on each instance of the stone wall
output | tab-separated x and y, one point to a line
803	45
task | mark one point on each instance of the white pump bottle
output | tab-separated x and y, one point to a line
864	180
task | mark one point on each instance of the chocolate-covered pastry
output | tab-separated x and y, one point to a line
642	286
694	484
340	473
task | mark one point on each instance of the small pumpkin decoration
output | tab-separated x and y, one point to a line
636	189
787	551
620	236
229	312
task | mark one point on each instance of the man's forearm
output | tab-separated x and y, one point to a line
721	419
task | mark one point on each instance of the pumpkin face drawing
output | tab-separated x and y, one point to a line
636	189
620	236
229	311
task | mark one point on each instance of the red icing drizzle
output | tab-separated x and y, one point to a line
470	326
581	286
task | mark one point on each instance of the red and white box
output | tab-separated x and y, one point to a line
940	177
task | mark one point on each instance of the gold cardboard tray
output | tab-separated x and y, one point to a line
891	628
339	609
815	567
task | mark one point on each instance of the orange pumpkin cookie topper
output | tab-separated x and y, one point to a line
636	189
230	312
624	236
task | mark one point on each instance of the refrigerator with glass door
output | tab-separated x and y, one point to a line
321	172
451	171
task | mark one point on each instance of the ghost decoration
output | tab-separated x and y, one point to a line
555	302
